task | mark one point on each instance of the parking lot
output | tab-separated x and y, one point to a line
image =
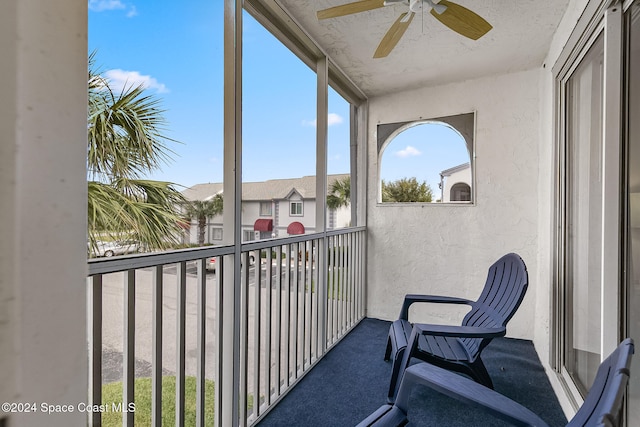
113	320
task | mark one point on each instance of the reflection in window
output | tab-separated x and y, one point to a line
427	161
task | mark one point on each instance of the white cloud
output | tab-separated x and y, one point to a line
119	79
332	119
102	5
132	12
408	152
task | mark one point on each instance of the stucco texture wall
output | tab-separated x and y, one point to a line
439	249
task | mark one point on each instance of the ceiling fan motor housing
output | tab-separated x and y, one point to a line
415	6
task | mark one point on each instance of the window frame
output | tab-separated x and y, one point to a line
215	230
263	212
464	124
296	202
598	18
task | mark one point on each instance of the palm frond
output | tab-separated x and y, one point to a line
125	131
126	140
340	193
144	210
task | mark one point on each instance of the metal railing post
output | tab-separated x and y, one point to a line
95	347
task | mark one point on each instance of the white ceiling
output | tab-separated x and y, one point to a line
431	54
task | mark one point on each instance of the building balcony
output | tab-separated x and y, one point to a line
224	347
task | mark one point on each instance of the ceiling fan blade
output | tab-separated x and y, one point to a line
462	20
393	36
349	8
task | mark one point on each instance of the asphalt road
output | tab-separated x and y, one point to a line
294	304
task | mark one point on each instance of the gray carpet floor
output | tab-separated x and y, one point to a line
351	381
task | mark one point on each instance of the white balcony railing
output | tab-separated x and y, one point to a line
156	316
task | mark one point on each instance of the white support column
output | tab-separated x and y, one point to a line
43	208
322	112
8	195
229	341
353	169
362	132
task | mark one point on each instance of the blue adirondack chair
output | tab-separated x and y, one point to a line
601	408
458	348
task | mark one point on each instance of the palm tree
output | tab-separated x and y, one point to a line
126	142
201	210
339	193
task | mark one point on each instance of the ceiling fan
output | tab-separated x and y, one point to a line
458	18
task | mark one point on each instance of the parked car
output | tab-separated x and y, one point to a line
211	262
109	249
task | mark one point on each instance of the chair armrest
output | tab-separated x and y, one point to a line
460	331
443	331
411	298
464	390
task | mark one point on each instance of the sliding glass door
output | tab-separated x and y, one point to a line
584	143
598	197
632	232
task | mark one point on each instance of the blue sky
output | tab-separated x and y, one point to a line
423	151
176	50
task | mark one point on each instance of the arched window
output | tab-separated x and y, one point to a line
460	192
420	161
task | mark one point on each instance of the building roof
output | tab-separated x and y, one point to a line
454	169
272	189
202	191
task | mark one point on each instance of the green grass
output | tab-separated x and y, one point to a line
335	288
112	393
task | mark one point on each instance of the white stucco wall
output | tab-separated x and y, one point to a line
43	102
440	249
250	213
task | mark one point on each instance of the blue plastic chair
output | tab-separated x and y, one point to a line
601	408
458	348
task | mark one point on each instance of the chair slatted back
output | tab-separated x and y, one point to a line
604	400
504	290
